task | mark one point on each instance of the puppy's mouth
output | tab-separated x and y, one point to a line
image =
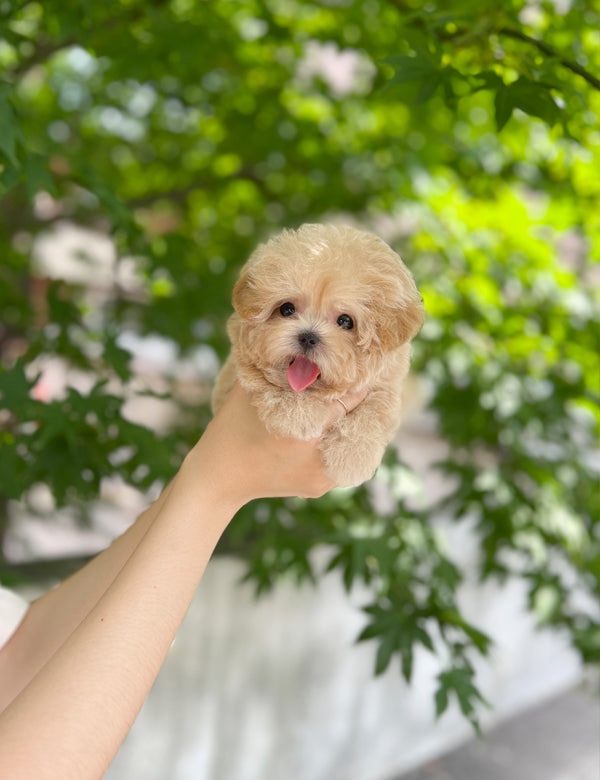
302	372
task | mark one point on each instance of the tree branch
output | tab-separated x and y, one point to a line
510	32
180	194
543	47
42	53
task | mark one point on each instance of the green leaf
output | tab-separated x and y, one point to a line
458	681
406	662
504	104
428	89
10	133
15	388
531	97
117	358
441	700
37	177
384	653
417	68
535	99
12	467
422	43
9	178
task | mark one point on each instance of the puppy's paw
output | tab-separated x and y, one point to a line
350	462
293	416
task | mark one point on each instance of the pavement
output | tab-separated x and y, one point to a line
557	740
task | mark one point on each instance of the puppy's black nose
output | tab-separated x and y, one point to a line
308	340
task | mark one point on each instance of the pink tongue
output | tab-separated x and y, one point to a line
302	373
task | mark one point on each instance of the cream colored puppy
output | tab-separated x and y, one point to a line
321	311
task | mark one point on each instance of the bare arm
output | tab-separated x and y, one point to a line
70	720
54	616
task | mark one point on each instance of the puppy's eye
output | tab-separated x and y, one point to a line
287	309
345	322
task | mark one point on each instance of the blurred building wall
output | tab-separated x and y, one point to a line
276	689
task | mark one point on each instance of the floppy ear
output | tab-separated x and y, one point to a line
401	322
246	299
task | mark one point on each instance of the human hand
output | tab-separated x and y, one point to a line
248	462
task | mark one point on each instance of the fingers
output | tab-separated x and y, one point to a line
352	400
268	465
345	405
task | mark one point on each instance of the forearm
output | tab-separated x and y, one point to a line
53	617
83	702
71	718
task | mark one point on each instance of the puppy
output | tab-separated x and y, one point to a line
321	311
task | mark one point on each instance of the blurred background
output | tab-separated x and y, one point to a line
146	148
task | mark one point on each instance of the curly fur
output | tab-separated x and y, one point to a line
325	271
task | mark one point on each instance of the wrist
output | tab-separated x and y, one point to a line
214	478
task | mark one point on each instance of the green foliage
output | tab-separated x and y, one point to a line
459	51
190	131
459	682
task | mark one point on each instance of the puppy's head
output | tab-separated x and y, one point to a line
321	307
